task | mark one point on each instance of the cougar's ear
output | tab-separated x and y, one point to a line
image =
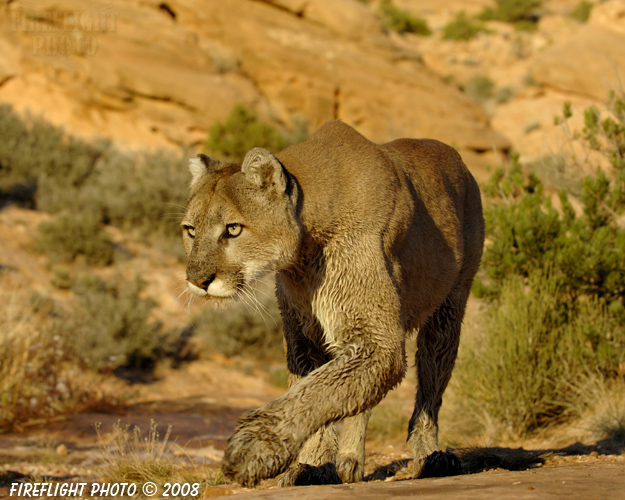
200	166
265	170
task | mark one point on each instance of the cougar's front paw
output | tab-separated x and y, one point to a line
350	469
306	475
255	452
441	464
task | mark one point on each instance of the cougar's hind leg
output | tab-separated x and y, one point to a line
350	462
437	348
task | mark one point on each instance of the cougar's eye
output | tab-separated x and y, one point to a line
234	230
190	231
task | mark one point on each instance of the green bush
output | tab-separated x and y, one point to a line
68	237
399	20
536	346
462	28
582	11
587	252
557	286
112	329
144	192
43	168
522	13
38	160
232	139
479	88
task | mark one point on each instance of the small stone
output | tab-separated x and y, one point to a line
61	450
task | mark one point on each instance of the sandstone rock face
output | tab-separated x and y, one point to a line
593	61
610	15
526	77
529	119
158	74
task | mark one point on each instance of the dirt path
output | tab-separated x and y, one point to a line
202	403
599	481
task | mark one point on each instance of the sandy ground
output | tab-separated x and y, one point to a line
202	403
573	482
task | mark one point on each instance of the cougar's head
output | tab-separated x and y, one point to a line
240	223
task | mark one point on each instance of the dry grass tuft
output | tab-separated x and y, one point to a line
135	458
600	410
38	379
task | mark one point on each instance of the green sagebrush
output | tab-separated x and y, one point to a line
555	281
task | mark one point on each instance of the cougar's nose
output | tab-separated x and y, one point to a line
203	283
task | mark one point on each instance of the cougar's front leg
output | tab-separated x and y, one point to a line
267	440
316	461
367	346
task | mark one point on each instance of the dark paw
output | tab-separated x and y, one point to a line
349	469
306	475
255	452
441	464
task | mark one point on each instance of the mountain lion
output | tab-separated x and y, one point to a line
370	244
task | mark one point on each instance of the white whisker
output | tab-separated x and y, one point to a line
176	205
181	294
258	306
244	302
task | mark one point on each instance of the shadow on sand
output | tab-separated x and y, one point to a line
476	460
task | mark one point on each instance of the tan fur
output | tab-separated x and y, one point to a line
371	244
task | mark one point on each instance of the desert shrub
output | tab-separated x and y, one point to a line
252	327
503	94
535	348
42	167
112	330
37	160
582	11
70	236
61	277
586	253
522	13
242	130
556	171
39	379
139	192
399	20
480	88
463	28
556	282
